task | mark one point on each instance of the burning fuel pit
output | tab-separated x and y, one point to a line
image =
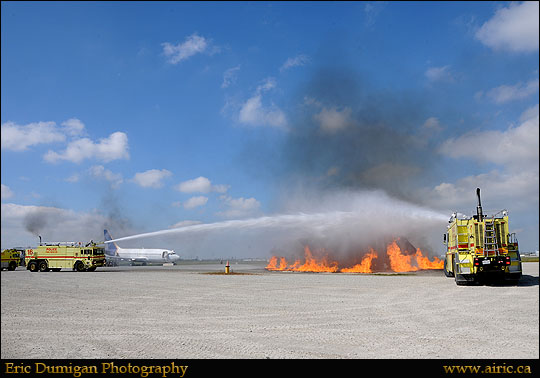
398	256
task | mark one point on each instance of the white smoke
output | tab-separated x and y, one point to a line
338	220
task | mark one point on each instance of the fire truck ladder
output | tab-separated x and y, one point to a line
490	239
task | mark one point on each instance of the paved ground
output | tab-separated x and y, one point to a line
181	312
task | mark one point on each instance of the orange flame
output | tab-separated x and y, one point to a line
364	266
312	265
272	264
398	262
424	263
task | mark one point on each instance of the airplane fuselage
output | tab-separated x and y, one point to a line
138	255
142	255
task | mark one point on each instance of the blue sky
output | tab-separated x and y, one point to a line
141	116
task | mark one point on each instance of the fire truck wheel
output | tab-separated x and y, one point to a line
12	266
79	266
32	266
43	266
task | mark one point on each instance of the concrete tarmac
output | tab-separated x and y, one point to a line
187	311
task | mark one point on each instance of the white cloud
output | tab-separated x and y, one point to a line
229	76
192	45
239	207
513	28
200	185
74	127
299	60
254	113
107	149
515	180
267	84
6	192
73	178
100	172
506	93
515	147
433	124
518	188
439	74
220	188
529	114
332	120
195	202
152	178
19	137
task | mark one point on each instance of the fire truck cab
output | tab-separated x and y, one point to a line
11	258
481	247
55	256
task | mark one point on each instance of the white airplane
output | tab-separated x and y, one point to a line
140	255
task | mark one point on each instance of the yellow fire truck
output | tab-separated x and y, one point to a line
481	247
11	258
55	256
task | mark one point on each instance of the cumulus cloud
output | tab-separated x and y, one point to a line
507	93
513	28
518	188
20	137
299	60
107	149
200	185
439	74
514	152
514	147
195	202
152	178
192	45
73	178
74	127
239	207
254	113
100	172
433	124
332	120
6	192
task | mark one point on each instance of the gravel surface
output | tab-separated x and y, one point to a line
182	312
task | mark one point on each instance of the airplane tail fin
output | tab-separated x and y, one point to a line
110	248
